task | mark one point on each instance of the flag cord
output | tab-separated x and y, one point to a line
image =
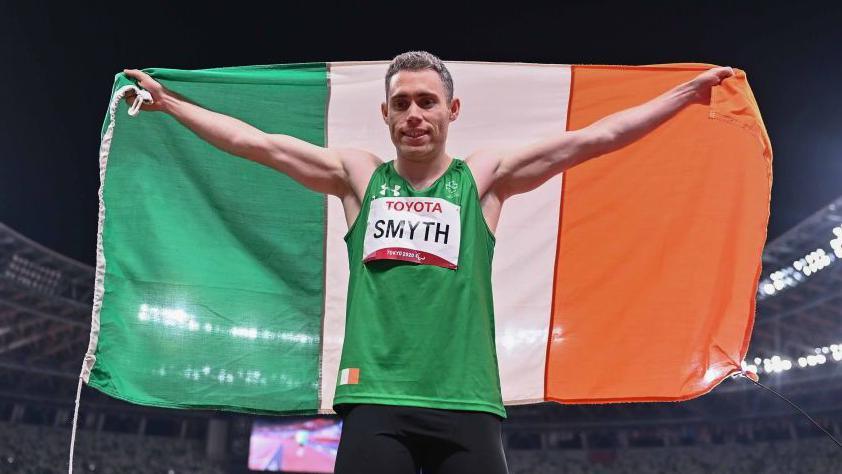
73	430
142	97
750	379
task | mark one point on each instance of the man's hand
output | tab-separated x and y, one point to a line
702	84
159	93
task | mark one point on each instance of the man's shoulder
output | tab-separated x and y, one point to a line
358	165
483	164
358	157
486	158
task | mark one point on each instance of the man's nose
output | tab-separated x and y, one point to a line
413	113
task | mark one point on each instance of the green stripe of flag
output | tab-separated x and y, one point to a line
214	284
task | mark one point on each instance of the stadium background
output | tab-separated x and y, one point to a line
57	73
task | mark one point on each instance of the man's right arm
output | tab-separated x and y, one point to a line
317	168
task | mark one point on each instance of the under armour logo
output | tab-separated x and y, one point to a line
395	190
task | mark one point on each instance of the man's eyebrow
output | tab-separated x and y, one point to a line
403	95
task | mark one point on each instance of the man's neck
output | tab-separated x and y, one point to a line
420	174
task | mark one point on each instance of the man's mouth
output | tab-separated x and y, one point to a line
415	133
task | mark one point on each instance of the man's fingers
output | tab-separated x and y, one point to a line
140	76
721	73
145	81
724	72
135	74
714	76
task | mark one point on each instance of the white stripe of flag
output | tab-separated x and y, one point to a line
503	105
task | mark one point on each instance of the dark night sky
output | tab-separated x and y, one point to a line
58	64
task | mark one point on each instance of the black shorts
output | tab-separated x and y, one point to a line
380	439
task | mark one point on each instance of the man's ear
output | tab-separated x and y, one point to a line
455	106
384	111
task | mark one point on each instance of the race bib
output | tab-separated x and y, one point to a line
413	229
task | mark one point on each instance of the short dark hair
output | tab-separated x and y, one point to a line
417	61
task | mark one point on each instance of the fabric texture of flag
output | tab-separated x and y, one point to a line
221	283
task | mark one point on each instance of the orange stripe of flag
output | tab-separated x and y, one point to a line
659	244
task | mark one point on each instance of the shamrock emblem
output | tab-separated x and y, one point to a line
452	188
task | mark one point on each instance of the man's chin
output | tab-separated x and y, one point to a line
414	152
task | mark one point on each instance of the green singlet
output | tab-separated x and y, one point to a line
419	328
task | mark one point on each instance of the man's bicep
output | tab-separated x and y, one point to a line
525	168
317	168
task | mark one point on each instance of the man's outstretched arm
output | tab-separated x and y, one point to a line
510	172
317	168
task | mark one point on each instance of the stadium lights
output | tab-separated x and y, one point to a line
30	274
777	364
802	268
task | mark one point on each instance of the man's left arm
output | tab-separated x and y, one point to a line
510	172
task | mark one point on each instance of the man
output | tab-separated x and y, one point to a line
420	243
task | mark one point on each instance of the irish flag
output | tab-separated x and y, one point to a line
221	283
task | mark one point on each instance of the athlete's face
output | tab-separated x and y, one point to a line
418	114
